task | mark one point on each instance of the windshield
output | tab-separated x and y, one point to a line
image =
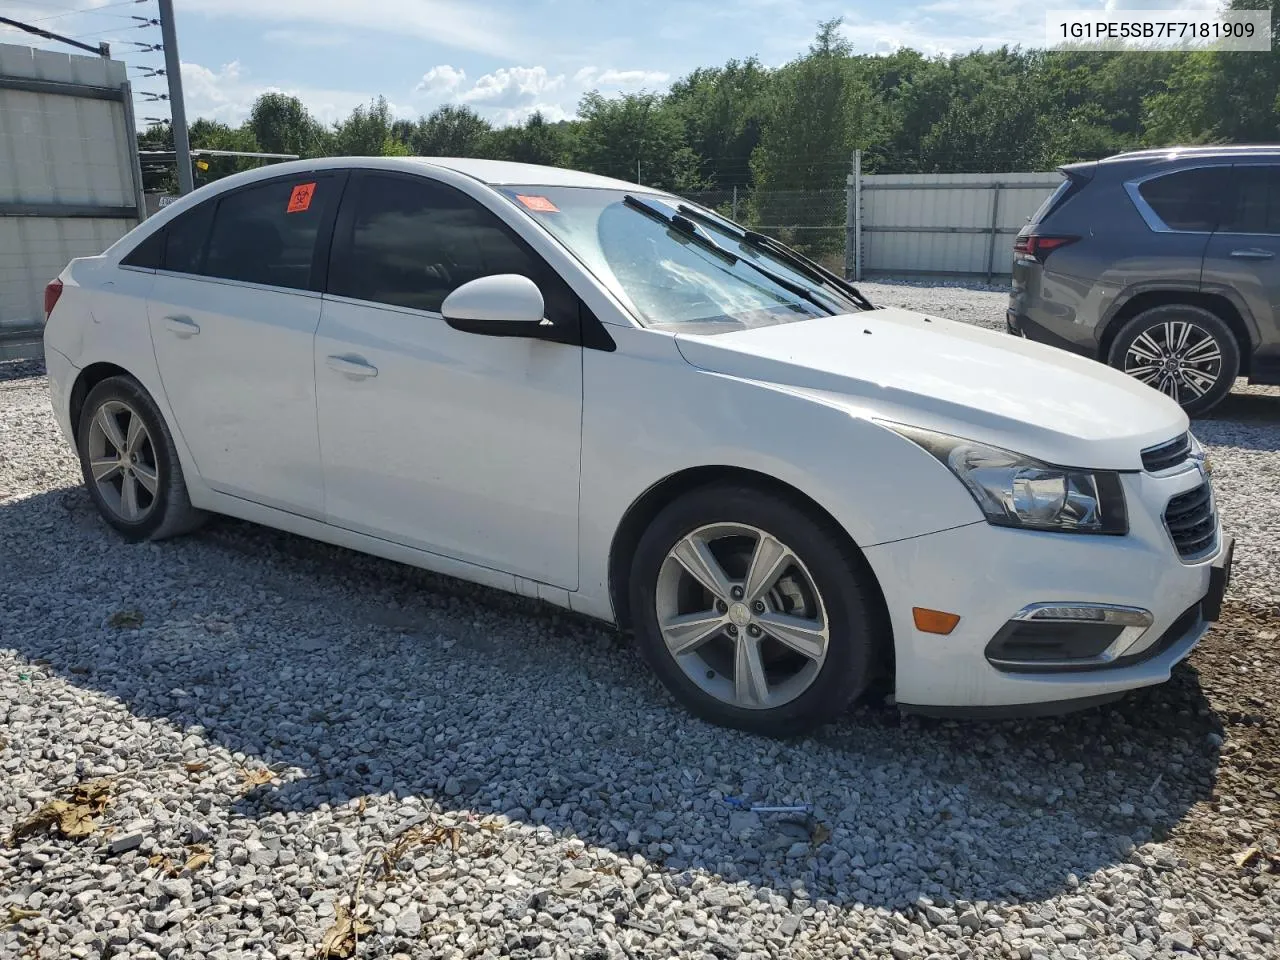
669	278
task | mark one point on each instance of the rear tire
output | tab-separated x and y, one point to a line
130	463
1186	352
735	671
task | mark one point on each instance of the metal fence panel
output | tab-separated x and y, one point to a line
69	182
943	224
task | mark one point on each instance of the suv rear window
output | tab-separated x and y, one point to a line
1186	200
1050	202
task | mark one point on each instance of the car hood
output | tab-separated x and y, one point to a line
954	378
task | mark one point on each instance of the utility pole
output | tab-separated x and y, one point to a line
637	169
177	107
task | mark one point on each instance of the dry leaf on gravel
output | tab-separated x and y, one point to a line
18	914
126	619
252	779
339	941
75	817
200	856
195	767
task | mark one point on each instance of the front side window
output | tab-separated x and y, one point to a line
410	242
1188	199
666	277
267	233
1257	201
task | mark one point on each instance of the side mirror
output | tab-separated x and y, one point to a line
501	305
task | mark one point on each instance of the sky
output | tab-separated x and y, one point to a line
503	58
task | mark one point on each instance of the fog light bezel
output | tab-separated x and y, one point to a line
1134	622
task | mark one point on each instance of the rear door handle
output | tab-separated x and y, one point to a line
182	326
352	366
1253	253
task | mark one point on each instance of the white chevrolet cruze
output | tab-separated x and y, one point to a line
597	394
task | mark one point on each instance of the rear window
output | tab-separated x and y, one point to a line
1050	202
1187	200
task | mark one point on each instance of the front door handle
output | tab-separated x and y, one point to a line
352	366
182	326
1253	253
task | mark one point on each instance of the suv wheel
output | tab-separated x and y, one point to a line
753	612
1185	352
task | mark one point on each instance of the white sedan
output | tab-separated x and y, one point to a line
600	395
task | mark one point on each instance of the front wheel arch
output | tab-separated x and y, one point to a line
666	491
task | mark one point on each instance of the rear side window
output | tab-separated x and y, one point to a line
184	239
1187	200
410	242
148	253
1257	202
267	233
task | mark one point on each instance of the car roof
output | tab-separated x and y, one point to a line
492	172
1212	151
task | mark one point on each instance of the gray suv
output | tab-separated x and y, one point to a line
1162	263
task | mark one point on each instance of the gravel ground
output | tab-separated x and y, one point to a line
248	732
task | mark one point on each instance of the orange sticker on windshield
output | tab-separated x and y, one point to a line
538	204
300	199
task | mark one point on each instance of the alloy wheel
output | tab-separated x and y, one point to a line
122	459
1179	358
742	616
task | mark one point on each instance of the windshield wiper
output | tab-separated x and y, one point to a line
685	225
813	270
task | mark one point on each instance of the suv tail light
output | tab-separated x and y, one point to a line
52	291
1038	246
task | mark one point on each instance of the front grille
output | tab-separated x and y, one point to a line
1166	455
1191	521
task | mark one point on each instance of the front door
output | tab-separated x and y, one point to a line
463	445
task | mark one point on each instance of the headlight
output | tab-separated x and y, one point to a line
1017	491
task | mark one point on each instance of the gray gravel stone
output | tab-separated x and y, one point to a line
589	812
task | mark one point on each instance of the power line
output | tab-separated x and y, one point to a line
72	11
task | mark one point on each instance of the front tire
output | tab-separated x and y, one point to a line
754	612
1187	353
130	464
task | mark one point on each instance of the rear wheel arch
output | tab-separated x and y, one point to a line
90	377
654	500
1217	304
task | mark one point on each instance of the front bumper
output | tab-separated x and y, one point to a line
988	574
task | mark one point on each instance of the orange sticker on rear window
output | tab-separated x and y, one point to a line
300	199
538	204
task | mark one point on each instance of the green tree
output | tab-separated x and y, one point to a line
212	135
282	124
534	141
723	110
450	131
820	108
367	133
616	136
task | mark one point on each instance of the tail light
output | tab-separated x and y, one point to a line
52	291
1038	246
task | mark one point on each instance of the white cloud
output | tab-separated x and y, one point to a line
464	25
509	86
595	77
441	79
227	94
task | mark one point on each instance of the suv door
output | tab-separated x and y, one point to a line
464	445
1243	261
233	315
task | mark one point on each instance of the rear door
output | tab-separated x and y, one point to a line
1243	258
233	315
